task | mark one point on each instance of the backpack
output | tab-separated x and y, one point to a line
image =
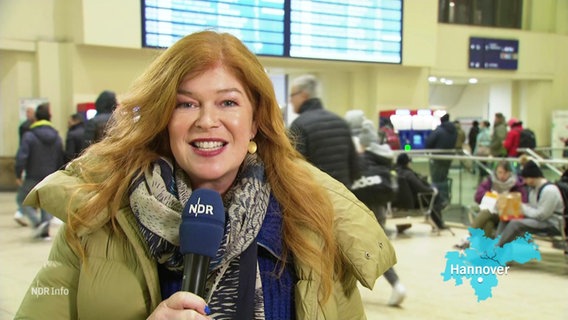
377	187
563	187
527	139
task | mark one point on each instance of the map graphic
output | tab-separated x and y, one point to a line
483	262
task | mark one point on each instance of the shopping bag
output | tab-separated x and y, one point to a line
489	202
509	205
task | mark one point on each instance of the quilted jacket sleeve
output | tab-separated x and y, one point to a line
52	293
362	241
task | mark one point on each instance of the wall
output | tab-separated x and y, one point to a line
537	85
70	50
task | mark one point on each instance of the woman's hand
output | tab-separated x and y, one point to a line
181	305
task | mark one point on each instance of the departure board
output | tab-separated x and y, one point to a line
347	30
486	53
362	30
258	23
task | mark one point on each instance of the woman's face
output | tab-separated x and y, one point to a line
210	128
502	174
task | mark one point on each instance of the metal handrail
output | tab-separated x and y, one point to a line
460	155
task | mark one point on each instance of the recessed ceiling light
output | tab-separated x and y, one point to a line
432	79
472	80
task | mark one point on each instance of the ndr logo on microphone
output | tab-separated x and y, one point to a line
199	208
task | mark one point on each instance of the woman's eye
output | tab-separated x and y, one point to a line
229	103
185	105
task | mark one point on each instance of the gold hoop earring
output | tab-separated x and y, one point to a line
252	147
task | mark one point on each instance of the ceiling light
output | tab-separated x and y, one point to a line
472	80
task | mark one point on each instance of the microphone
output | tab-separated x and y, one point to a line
200	233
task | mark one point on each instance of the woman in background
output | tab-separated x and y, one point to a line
503	180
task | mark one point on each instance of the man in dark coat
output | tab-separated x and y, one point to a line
472	135
443	137
40	154
23	128
74	139
323	137
96	126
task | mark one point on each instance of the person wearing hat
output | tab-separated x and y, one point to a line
513	137
410	184
539	213
376	161
95	128
355	120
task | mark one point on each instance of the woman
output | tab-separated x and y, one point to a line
501	181
204	115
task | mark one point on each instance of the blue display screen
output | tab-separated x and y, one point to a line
366	30
485	53
346	30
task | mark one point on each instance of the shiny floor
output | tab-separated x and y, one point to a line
536	290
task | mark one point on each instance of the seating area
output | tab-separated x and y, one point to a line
462	183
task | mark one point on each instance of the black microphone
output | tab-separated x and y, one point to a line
200	234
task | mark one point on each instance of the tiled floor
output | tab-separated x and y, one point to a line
536	290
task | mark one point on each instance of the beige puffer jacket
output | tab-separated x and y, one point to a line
119	279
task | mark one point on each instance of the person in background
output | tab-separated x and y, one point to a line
513	137
39	154
355	120
408	198
460	140
543	212
377	160
30	119
565	151
96	127
204	115
24	127
497	149
74	139
387	134
443	137
321	136
472	136
483	147
503	180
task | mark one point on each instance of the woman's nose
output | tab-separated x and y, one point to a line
208	117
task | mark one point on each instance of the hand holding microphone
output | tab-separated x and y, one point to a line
200	232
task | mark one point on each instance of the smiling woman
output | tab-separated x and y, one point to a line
204	115
211	127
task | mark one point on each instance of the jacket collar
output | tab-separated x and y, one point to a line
311	104
40	123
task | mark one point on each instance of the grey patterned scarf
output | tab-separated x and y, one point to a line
157	200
